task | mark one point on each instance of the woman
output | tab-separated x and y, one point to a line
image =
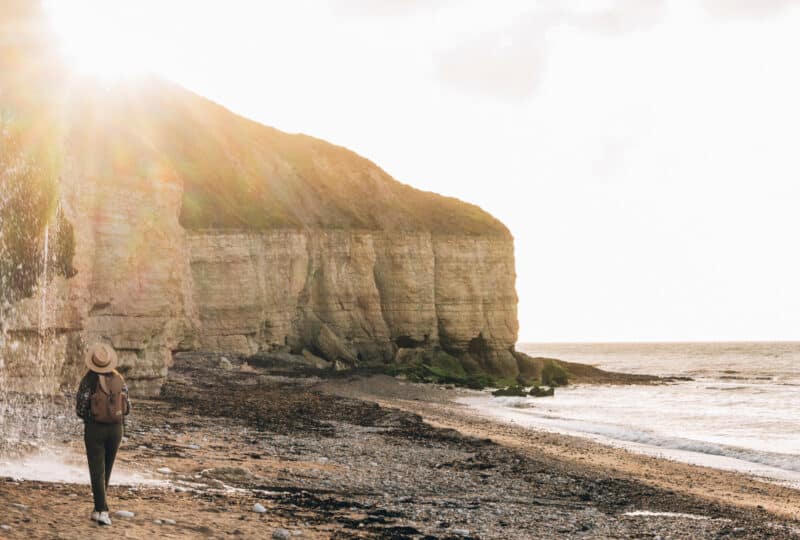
102	403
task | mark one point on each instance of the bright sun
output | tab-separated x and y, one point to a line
100	39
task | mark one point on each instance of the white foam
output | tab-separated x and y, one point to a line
648	513
61	466
650	420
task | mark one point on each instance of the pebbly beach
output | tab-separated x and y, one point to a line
266	455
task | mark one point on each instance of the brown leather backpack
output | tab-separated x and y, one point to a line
109	405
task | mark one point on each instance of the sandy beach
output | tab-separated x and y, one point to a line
378	457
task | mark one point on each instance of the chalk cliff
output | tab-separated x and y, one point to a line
198	230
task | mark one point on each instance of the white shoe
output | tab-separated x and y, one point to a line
95	516
103	519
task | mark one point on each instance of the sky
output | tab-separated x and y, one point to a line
643	153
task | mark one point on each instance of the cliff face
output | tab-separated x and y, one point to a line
352	296
196	229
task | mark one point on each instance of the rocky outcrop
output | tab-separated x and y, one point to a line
198	230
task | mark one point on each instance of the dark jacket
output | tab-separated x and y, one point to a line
83	400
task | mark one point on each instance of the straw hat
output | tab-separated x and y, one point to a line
101	358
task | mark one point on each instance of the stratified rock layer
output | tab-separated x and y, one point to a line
374	291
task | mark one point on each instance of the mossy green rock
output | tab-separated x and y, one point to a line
448	365
514	391
538	391
554	374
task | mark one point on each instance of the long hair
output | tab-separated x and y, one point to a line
93	377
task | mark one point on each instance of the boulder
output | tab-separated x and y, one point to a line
315	361
510	391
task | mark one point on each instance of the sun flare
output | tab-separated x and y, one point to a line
99	39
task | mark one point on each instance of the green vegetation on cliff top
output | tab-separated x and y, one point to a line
239	174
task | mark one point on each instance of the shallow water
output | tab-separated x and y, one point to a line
741	412
61	465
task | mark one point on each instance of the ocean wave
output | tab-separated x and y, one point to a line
787	462
614	432
514	402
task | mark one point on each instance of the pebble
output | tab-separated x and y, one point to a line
259	508
169	522
281	534
124	514
164	470
5	527
194	446
460	532
157	521
19	506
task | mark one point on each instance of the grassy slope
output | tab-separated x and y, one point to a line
239	174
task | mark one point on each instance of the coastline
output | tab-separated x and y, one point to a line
715	485
381	458
711	484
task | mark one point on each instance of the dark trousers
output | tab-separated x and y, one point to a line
102	442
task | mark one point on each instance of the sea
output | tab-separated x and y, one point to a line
740	411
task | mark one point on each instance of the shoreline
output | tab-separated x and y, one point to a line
378	458
718	485
760	464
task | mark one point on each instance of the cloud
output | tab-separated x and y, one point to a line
509	63
384	8
504	64
619	17
748	8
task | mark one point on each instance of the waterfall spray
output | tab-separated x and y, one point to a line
41	352
32	413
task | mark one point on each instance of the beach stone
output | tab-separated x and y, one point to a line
460	532
229	475
169	522
164	470
281	534
224	363
537	391
124	514
19	506
510	391
258	508
5	527
157	521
